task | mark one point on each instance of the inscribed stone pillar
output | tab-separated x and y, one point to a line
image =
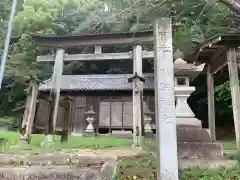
165	101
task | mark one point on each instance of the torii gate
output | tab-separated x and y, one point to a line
164	81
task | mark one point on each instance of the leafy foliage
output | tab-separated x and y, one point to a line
223	95
208	174
192	21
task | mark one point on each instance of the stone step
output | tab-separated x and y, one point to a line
204	163
193	134
200	150
55	159
48	173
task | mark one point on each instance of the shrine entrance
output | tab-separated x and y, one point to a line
115	115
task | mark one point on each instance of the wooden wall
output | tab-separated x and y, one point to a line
81	103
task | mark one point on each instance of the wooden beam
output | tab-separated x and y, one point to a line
137	92
207	50
29	113
23	136
219	63
55	91
211	104
165	101
33	104
218	60
234	85
207	44
211	42
216	46
95	57
67	43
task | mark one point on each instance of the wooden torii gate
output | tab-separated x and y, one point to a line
30	111
98	41
164	85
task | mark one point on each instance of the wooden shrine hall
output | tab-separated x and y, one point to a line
104	103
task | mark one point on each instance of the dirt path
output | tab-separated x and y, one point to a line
84	164
111	152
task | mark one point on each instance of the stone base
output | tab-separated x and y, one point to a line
76	134
193	134
122	134
200	150
46	173
47	141
149	135
23	141
89	134
189	122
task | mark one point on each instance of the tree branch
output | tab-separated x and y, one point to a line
234	5
127	9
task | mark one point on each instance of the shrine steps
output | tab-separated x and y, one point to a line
200	150
184	134
196	149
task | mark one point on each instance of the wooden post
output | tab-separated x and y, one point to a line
29	112
26	111
211	104
137	93
55	91
234	85
165	101
64	136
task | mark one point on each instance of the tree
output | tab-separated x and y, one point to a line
192	20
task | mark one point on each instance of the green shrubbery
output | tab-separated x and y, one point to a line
211	174
235	156
12	123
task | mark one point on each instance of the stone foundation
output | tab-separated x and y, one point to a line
192	122
56	167
46	173
192	134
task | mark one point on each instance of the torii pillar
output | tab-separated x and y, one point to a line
137	80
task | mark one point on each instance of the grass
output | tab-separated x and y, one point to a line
229	144
74	142
138	167
144	167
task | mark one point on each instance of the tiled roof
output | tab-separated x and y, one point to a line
97	82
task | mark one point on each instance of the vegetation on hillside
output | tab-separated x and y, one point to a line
193	21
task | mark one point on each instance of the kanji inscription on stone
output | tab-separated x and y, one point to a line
165	101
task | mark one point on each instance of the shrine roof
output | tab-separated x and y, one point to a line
214	51
218	43
97	82
93	39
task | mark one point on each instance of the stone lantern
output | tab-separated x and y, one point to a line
147	120
184	73
90	130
